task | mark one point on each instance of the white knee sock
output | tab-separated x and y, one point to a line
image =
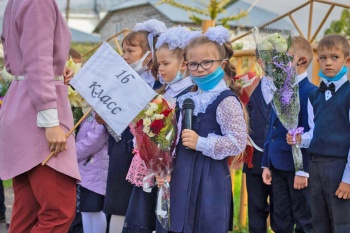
117	223
94	222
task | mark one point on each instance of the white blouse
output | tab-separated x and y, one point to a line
230	117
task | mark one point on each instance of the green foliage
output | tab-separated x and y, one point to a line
208	9
7	183
84	48
237	46
341	26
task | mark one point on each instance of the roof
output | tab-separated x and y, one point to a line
77	36
82	37
256	17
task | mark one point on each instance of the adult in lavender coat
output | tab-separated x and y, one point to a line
35	117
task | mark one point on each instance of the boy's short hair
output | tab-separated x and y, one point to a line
334	41
301	48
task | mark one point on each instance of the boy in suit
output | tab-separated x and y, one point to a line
292	206
328	139
259	108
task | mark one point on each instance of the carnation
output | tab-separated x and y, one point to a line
146	129
157	126
153	106
146	121
149	112
166	112
158	116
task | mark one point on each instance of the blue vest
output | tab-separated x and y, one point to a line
276	150
259	118
331	136
201	186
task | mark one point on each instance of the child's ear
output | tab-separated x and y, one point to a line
224	63
183	66
302	61
347	61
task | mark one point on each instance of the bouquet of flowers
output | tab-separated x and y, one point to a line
155	131
279	66
78	103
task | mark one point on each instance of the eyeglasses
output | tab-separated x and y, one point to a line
206	64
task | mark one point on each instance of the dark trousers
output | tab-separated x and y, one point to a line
258	206
329	213
290	206
2	199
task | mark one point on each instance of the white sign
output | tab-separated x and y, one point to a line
115	91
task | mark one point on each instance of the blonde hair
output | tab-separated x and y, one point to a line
334	41
303	48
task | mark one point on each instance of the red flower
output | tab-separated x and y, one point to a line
157	126
166	112
139	123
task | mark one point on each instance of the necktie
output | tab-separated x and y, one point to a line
323	87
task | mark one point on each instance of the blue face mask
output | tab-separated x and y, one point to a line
177	78
338	76
209	81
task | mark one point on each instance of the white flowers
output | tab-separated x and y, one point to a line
158	116
153	106
274	41
147	121
149	112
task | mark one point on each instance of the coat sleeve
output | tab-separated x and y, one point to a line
95	139
35	23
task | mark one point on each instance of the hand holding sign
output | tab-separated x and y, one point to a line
115	91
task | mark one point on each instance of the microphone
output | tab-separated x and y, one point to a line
188	107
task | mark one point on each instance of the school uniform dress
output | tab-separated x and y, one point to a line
259	108
36	42
290	206
328	144
141	216
200	185
118	191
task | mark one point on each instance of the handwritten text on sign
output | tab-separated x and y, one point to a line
112	88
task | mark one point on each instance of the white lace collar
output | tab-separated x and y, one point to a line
202	99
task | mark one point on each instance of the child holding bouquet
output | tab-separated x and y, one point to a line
200	183
138	47
169	57
328	138
290	192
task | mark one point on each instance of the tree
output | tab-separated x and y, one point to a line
67	10
211	9
341	26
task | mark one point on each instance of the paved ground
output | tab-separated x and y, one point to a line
8	202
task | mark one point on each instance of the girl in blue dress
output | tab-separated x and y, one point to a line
200	186
138	47
141	217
